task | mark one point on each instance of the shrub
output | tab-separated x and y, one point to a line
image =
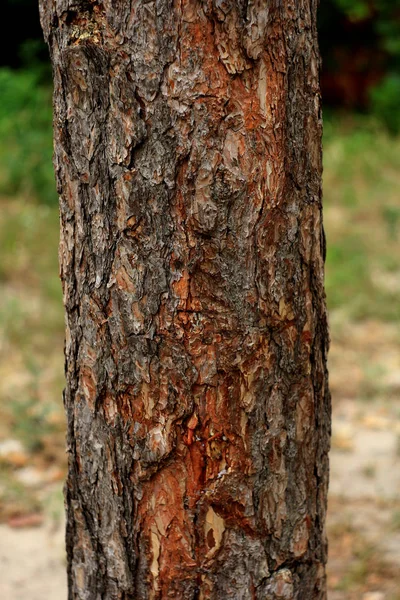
25	131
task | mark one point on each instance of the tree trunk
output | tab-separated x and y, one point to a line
188	161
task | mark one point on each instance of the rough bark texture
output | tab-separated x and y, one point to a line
188	161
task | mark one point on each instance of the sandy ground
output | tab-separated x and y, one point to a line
364	501
32	563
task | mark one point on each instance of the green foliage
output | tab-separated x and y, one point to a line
385	101
355	9
367	33
383	13
25	131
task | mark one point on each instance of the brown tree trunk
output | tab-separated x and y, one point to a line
188	161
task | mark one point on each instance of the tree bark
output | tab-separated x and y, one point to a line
188	162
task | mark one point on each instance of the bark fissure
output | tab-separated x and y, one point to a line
188	163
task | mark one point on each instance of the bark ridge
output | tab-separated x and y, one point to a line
188	162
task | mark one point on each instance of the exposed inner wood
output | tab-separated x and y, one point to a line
188	162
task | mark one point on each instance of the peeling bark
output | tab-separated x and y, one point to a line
188	162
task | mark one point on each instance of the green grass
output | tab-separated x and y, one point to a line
31	326
29	274
31	312
362	218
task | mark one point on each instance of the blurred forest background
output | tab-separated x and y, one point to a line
360	45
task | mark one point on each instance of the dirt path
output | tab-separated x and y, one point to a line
32	563
363	522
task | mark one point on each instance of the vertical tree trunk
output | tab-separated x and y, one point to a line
188	161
